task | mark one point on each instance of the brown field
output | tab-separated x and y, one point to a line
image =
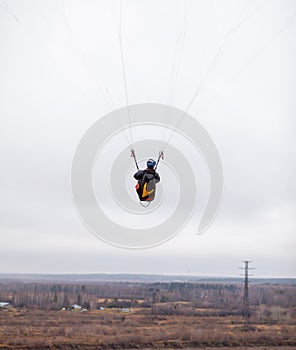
112	329
146	316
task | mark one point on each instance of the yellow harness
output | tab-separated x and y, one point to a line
145	192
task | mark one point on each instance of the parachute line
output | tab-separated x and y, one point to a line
178	54
124	74
92	73
289	22
226	41
7	9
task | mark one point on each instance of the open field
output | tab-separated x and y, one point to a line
145	316
41	329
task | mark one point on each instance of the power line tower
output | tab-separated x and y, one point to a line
246	310
153	304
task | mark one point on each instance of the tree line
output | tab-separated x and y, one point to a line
201	295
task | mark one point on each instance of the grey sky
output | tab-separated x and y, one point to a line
58	58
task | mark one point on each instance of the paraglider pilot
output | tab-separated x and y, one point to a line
146	181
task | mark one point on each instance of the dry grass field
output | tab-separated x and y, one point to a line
112	329
134	315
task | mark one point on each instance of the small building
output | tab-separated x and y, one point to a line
125	309
76	307
5	305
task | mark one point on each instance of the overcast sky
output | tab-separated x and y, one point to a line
60	59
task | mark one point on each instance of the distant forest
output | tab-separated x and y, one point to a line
161	296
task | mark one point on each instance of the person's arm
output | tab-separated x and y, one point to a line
139	174
156	177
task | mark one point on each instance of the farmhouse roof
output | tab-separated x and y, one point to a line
4	303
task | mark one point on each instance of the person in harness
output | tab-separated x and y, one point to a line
146	181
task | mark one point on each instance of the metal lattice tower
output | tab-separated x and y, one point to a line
246	310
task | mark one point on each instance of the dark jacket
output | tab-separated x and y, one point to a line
140	173
149	176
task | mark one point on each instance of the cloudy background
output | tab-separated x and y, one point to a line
60	70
